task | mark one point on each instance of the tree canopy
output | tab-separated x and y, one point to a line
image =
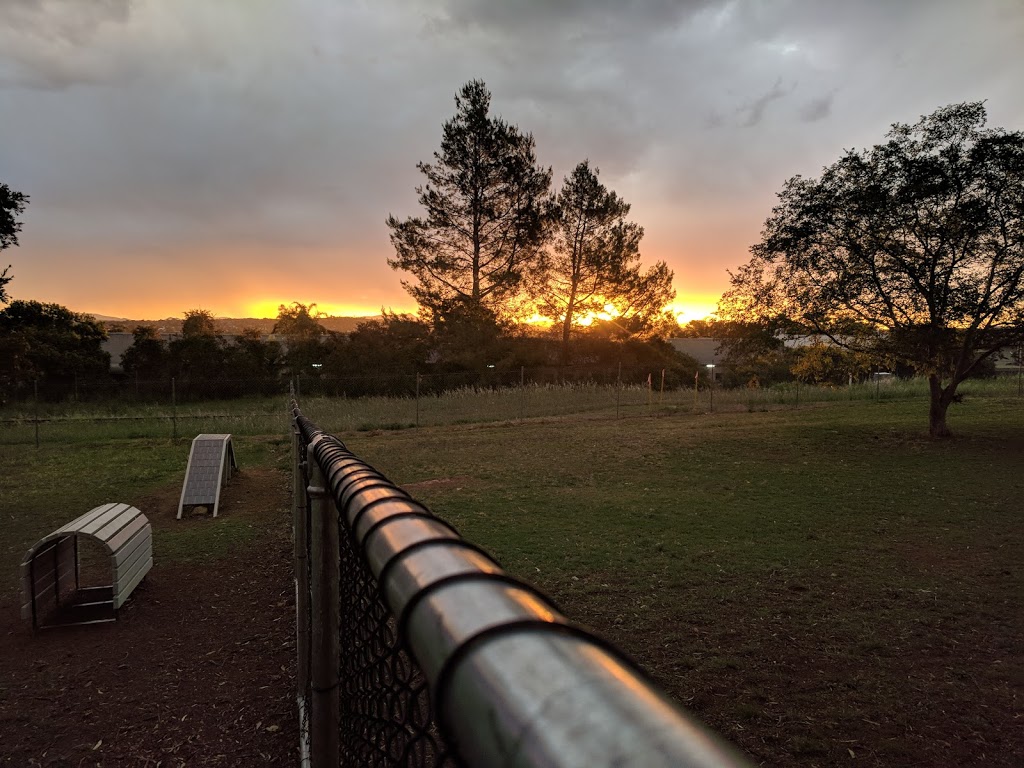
486	203
48	343
299	321
12	205
594	255
911	251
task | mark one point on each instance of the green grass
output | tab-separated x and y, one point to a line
813	581
792	575
95	422
42	489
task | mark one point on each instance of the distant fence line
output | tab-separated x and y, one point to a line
435	400
416	649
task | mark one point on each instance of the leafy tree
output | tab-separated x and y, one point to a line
299	321
911	251
253	356
486	203
49	343
595	252
148	356
641	307
467	336
200	353
300	326
381	356
198	322
12	204
821	363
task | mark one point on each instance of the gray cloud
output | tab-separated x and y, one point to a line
43	41
817	109
174	128
755	110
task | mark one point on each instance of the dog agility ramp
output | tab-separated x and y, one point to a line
210	464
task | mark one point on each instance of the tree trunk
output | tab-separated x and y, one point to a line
567	326
940	400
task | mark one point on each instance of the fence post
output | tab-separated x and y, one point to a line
325	644
300	533
417	398
696	390
618	390
174	411
522	392
35	407
797	403
1020	370
661	395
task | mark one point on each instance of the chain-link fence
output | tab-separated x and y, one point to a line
416	649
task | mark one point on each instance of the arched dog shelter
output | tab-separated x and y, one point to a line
50	572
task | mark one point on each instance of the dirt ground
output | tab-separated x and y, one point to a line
198	669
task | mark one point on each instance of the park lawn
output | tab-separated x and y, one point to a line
824	586
42	489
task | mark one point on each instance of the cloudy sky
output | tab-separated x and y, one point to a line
237	154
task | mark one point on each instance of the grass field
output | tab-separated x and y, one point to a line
89	422
823	585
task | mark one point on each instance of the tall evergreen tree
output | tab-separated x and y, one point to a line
486	202
595	257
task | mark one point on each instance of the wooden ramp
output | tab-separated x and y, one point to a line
50	573
211	462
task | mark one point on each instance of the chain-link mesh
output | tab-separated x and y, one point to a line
303	605
386	717
385	712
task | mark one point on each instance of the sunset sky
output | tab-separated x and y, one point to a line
234	155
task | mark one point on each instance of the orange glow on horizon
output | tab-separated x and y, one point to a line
268	308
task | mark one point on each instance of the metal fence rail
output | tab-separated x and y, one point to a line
423	652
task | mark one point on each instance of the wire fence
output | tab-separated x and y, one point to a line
172	408
416	649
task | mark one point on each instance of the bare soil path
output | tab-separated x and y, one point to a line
198	669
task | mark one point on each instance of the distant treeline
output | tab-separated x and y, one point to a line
47	349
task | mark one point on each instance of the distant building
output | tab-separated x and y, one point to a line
118	342
704	350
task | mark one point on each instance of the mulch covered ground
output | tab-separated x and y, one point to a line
198	669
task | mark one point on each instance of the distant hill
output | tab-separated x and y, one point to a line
225	324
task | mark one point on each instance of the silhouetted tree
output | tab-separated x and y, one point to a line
466	336
199	353
299	321
49	343
12	205
300	326
595	254
198	322
486	203
148	356
253	356
911	251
